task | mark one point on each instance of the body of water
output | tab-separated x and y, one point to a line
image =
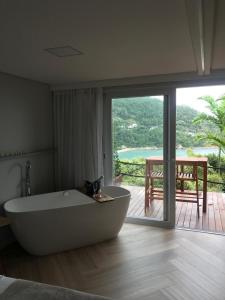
144	153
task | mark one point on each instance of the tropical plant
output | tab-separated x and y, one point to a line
116	164
216	117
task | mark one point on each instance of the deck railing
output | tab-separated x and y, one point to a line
137	170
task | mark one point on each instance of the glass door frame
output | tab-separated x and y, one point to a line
169	147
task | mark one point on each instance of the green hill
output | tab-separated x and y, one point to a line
138	122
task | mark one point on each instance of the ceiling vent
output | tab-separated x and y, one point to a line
64	51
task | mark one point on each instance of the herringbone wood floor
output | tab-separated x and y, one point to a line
142	263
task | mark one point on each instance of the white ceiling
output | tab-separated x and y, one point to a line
119	39
218	58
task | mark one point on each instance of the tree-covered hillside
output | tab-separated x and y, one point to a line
138	122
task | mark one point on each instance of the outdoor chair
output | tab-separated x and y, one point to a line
183	174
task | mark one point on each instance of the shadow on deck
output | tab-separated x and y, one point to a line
186	213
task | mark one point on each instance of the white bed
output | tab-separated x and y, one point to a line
17	289
5	283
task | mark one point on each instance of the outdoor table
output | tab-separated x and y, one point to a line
183	161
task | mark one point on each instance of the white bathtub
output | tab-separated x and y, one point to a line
60	221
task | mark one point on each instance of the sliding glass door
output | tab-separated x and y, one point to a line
143	152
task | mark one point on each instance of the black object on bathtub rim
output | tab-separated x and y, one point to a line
93	188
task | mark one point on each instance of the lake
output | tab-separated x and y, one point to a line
143	153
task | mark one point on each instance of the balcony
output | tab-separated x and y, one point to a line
186	213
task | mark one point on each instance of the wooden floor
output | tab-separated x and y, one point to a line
142	263
186	213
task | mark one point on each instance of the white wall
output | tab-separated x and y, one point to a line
25	125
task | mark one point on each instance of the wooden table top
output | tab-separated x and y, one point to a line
180	159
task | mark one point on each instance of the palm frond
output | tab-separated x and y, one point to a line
207	118
214	139
212	104
217	109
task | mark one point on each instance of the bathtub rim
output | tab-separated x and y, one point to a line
95	202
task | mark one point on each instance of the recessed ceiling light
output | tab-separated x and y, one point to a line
63	51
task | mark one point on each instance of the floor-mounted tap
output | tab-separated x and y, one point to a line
27	179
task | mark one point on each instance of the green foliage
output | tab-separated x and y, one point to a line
138	169
216	172
216	118
116	164
213	161
138	122
190	153
214	177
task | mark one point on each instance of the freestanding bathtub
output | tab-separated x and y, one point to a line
60	221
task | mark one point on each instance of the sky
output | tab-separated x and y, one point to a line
189	96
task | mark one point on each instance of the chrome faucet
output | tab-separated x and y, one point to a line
27	180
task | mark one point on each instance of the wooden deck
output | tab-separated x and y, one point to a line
186	213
